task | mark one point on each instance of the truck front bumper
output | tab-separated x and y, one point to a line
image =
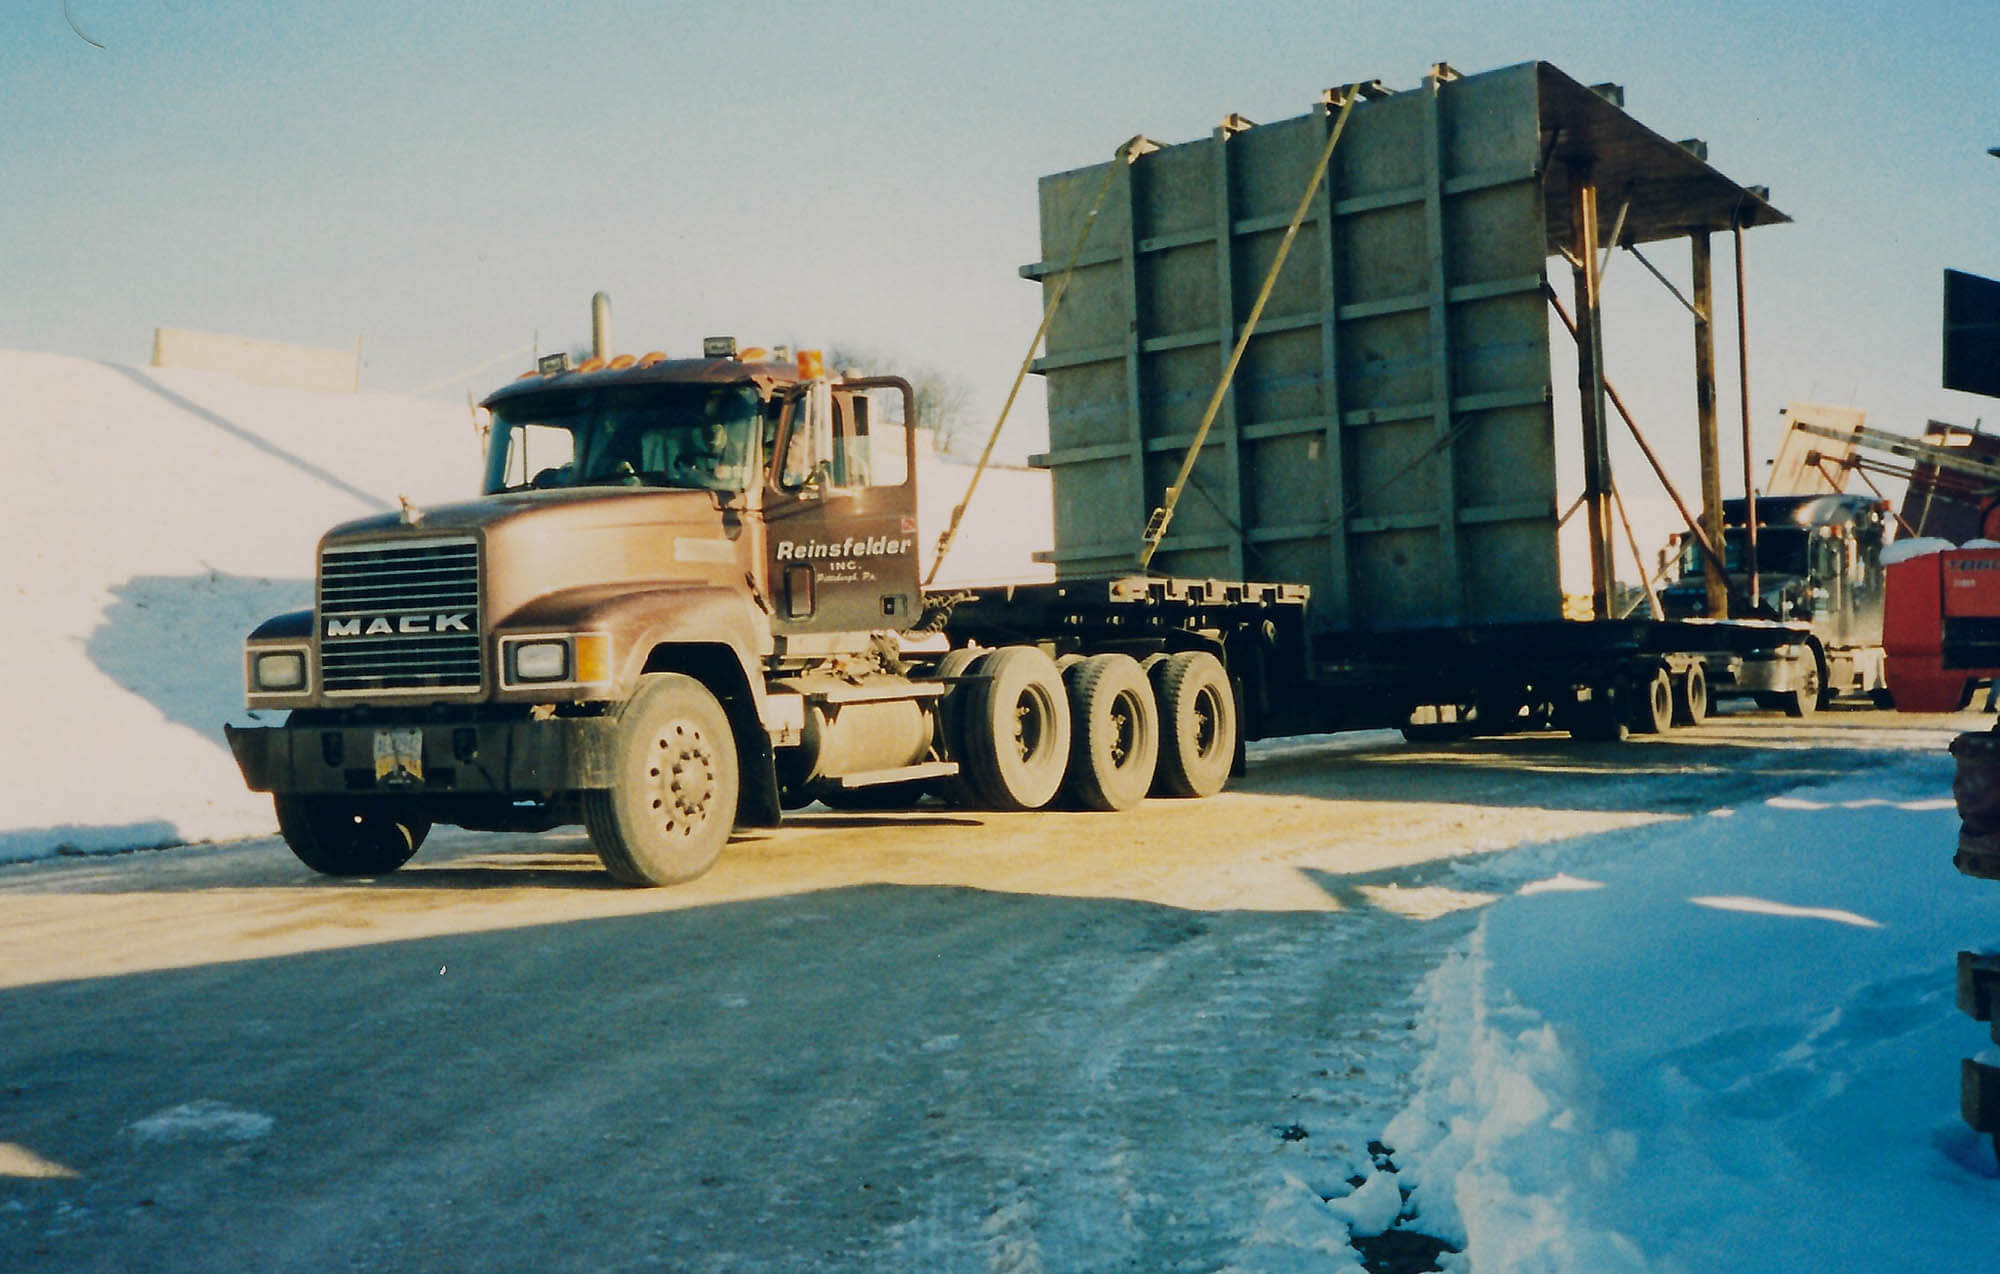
524	760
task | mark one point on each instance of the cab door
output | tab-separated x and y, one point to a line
840	511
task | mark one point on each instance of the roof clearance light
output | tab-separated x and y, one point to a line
812	365
621	362
651	357
718	347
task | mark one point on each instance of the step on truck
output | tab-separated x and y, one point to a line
688	598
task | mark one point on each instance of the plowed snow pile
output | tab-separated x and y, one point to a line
155	516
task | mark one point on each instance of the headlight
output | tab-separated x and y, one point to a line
541	660
279	671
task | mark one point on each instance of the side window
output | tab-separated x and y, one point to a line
850	441
536	455
832	439
792	423
881	444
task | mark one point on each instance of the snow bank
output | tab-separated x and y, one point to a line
156	516
1733	1044
1920	546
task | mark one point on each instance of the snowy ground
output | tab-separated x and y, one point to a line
1723	1043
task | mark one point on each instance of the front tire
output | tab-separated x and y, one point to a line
677	787
339	837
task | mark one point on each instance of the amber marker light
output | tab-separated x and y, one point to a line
812	364
593	657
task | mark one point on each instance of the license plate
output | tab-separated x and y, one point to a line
399	757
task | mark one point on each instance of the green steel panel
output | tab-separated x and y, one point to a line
1388	438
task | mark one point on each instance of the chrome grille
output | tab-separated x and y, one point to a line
381	609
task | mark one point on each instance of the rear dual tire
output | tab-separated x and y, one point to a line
1653	706
1114	732
1197	724
1015	729
1691	697
1105	728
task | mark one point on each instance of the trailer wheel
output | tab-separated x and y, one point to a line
1598	718
337	837
1016	729
1804	699
1653	706
1197	724
1828	692
1691	702
1469	723
677	785
1114	732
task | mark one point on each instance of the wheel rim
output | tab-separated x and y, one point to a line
1125	710
681	778
1032	715
1206	714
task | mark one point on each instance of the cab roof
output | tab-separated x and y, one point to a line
670	371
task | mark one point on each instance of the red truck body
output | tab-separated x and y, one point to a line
1941	627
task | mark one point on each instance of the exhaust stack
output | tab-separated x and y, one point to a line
600	326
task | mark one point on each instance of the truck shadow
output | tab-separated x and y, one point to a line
1702	767
914	1048
176	641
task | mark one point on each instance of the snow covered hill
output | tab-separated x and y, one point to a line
155	516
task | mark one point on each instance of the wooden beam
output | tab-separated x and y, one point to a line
1708	432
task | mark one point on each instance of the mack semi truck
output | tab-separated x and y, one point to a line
688	597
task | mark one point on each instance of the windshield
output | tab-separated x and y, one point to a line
1781	550
695	436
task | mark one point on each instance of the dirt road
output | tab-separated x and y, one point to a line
930	1041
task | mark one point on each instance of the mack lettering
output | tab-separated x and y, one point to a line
420	624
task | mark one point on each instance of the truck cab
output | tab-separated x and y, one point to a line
794	494
678	548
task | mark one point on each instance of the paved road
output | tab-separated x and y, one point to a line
933	1041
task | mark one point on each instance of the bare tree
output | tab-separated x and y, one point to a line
944	402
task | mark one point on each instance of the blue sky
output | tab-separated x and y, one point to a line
452	179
